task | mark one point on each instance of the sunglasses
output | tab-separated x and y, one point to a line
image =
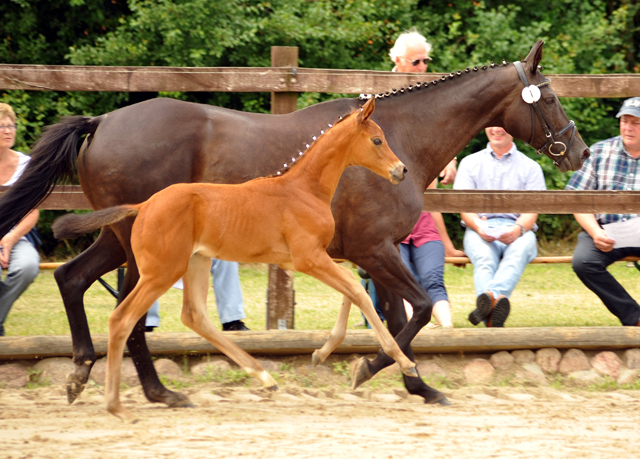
415	62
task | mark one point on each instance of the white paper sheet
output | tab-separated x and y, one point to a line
179	285
491	229
626	233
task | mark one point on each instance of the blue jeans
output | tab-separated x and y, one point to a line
226	286
427	265
24	265
497	267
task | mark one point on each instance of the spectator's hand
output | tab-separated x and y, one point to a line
508	237
5	251
602	241
448	174
456	253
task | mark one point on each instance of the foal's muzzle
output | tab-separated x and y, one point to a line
397	173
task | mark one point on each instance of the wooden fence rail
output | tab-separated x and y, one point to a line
69	197
266	79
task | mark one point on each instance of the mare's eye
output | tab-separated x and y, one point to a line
377	141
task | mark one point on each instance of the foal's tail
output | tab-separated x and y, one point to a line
53	158
73	225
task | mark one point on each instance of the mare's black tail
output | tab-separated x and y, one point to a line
53	158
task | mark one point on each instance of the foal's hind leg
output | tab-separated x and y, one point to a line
121	323
324	269
337	335
194	316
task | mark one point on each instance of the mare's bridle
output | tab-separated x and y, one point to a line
553	146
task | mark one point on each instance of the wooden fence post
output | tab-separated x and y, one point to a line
280	293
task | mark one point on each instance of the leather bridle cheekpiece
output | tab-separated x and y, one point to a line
551	143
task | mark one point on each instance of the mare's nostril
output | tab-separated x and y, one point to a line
586	153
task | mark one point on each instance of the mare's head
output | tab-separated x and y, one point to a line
369	148
536	115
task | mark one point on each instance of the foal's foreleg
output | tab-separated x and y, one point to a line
194	316
325	270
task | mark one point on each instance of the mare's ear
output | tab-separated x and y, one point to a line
367	110
534	57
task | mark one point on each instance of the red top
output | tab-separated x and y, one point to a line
424	231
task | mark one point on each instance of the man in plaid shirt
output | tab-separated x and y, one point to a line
614	164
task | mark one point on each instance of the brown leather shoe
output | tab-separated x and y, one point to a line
484	306
499	312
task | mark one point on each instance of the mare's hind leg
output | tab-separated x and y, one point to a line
395	282
319	265
195	316
337	335
73	279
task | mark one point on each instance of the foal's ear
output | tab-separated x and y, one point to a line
534	57
367	110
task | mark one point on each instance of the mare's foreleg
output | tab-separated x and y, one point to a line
73	279
395	282
319	265
194	316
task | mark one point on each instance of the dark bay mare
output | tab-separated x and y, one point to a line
133	152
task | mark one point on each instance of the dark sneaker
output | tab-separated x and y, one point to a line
235	325
484	303
500	312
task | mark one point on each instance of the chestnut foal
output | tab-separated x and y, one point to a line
284	220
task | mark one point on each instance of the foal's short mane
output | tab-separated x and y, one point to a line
297	157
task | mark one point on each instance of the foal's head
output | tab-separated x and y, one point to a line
369	147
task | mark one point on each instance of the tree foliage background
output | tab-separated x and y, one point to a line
599	36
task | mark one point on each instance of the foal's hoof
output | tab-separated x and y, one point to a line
411	372
444	401
74	387
360	373
315	360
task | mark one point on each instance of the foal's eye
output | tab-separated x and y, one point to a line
377	141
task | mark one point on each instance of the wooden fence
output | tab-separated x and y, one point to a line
284	80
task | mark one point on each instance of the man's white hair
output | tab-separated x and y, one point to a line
404	40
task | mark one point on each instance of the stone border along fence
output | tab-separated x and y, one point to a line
284	80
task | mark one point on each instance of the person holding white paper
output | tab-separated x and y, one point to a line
500	246
614	164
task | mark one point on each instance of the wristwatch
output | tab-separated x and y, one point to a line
522	228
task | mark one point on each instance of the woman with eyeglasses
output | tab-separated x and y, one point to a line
19	259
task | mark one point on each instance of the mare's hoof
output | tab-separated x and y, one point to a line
438	398
74	387
273	388
315	360
360	373
178	400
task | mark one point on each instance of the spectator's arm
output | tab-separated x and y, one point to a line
448	174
